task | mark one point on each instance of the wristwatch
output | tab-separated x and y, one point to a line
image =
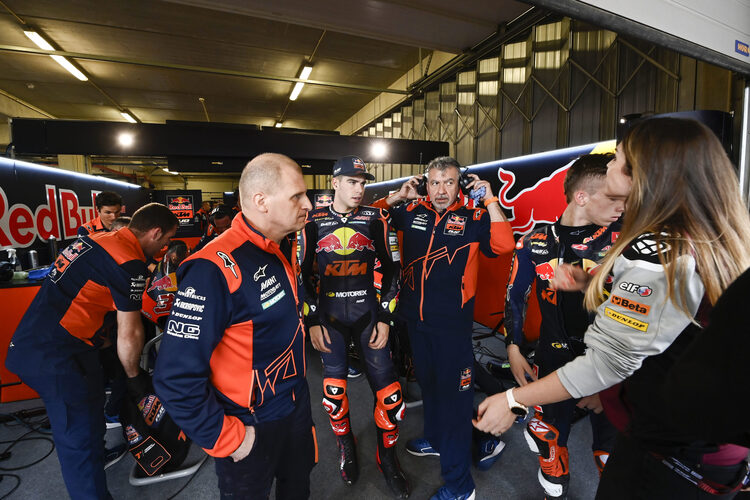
516	407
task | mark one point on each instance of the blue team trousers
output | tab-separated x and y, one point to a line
75	407
443	363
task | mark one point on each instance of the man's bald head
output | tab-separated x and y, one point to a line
263	174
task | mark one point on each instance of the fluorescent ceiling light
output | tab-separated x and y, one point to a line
43	44
38	40
296	90
304	75
278	125
128	116
170	172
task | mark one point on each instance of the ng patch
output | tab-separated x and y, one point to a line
626	320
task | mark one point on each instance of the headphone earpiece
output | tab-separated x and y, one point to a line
463	181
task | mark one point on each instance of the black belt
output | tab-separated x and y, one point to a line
696	478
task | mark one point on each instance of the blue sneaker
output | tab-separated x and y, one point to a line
420	447
490	451
445	494
353	372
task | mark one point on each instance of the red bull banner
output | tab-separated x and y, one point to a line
38	203
184	204
530	191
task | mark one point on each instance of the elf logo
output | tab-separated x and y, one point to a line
631	305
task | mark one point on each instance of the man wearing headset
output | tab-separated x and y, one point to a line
442	235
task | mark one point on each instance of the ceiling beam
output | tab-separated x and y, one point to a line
197	69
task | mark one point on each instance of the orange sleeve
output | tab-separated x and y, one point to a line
381	203
501	238
230	438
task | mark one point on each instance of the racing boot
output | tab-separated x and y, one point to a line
554	474
388	463
336	404
348	466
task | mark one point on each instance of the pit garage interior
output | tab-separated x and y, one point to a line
487	79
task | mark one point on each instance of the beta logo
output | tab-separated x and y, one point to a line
631	305
635	288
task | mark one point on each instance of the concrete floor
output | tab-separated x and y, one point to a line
512	477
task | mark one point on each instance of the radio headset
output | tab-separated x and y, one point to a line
463	181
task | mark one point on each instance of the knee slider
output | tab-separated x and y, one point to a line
600	459
389	406
335	401
541	436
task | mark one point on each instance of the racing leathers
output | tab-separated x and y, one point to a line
564	321
344	301
440	255
233	355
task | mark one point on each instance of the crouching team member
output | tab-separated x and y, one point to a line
231	369
345	239
442	237
54	350
587	228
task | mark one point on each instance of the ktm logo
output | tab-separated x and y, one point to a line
549	295
538	236
346	268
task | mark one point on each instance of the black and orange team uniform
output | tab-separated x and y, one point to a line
564	322
233	355
91	227
440	256
55	348
346	247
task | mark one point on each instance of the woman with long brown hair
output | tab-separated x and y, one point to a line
684	240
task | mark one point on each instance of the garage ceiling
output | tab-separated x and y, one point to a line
243	55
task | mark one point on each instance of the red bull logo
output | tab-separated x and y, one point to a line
163	283
344	241
541	203
180	200
546	270
323	200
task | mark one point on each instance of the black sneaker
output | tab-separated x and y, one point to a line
349	466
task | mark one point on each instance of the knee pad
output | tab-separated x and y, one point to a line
336	404
389	407
600	459
542	439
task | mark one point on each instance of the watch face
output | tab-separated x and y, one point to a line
518	411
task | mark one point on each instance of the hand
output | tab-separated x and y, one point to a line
569	278
519	367
478	183
379	337
319	338
246	446
592	403
494	415
408	191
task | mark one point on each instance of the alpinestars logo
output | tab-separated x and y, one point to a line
228	263
260	273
